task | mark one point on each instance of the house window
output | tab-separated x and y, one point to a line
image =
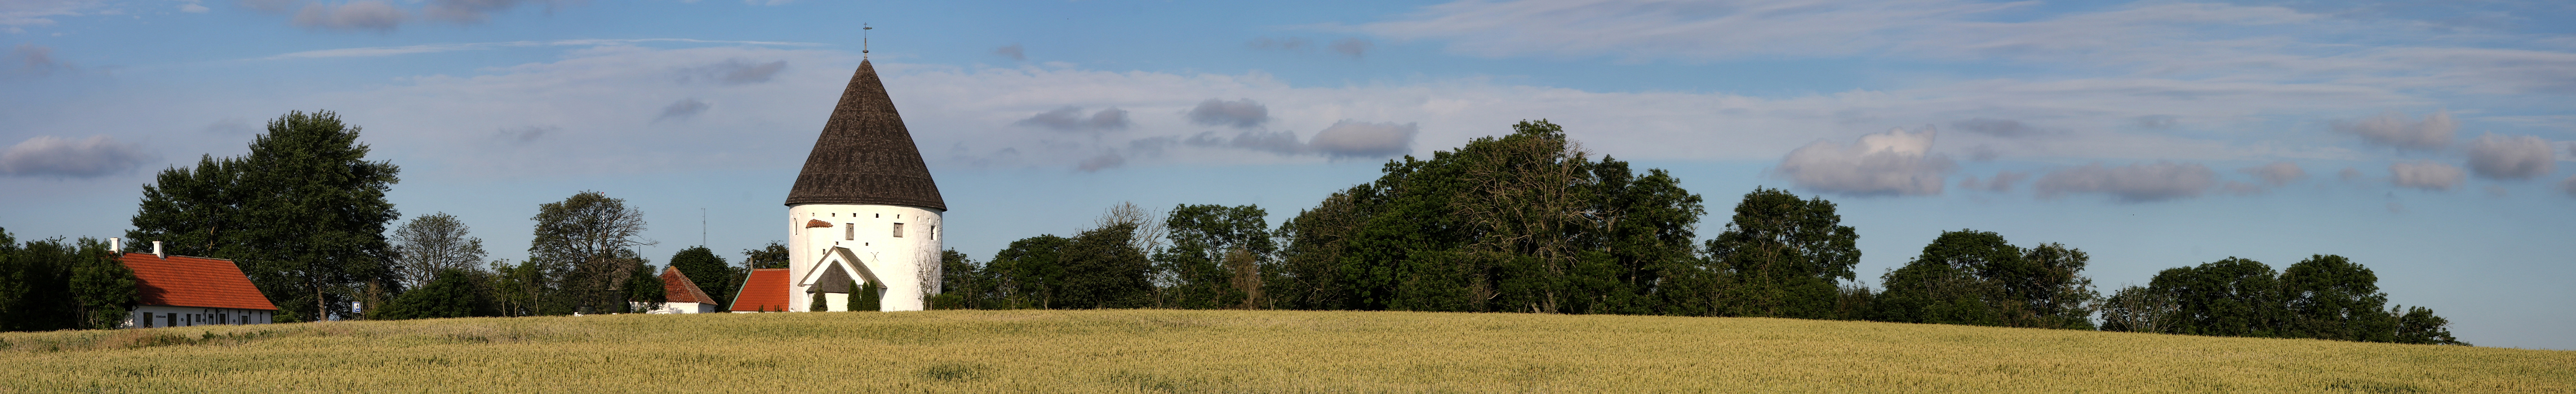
147	320
934	232
849	232
898	230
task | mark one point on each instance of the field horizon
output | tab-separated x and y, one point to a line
1232	351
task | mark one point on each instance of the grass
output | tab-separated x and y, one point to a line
1152	351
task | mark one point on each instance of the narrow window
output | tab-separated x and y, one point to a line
849	232
147	320
934	232
898	230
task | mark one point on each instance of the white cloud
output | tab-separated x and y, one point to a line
435	48
2130	183
1352	47
49	156
18	14
1364	139
2425	175
683	109
355	15
1070	118
2277	173
2395	130
735	71
1243	113
1896	162
2511	157
1013	51
193	7
479	11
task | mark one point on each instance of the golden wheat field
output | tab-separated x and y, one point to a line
1230	351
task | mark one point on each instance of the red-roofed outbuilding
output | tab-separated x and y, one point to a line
187	290
680	295
765	290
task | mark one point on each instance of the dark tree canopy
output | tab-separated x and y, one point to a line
708	271
453	293
584	245
1785	256
53	284
303	213
2231	297
1977	278
1202	236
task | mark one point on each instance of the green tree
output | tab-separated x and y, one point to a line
1027	274
866	297
2231	297
434	243
2050	289
2139	309
2330	297
54	284
1524	222
2420	326
1946	284
1785	256
303	213
452	293
643	289
708	271
1102	268
1202	237
584	245
769	256
962	284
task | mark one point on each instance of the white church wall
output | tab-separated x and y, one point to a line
904	262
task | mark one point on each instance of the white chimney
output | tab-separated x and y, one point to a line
156	250
116	245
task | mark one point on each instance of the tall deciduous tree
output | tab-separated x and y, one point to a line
773	255
54	284
1784	255
1197	267
2231	297
1948	283
434	243
2331	298
586	243
303	213
1102	268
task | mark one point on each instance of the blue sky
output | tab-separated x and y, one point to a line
2428	141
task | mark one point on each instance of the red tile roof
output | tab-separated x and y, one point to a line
764	290
193	281
676	287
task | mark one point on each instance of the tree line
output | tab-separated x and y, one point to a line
1527	222
1530	222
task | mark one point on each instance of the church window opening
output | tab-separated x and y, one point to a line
898	230
849	232
934	231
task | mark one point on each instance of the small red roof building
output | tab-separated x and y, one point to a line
193	281
677	288
765	290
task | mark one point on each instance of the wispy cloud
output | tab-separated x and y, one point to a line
476	46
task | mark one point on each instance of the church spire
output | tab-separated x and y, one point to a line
865	156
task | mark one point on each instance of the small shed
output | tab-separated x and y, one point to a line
180	291
682	295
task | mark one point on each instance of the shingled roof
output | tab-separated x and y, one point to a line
677	288
865	156
192	281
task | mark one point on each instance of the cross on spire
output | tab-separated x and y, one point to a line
863	40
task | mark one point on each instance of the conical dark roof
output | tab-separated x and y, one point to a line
865	156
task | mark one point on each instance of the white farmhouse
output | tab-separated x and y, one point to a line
863	210
180	291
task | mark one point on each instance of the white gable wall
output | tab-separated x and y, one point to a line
909	264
